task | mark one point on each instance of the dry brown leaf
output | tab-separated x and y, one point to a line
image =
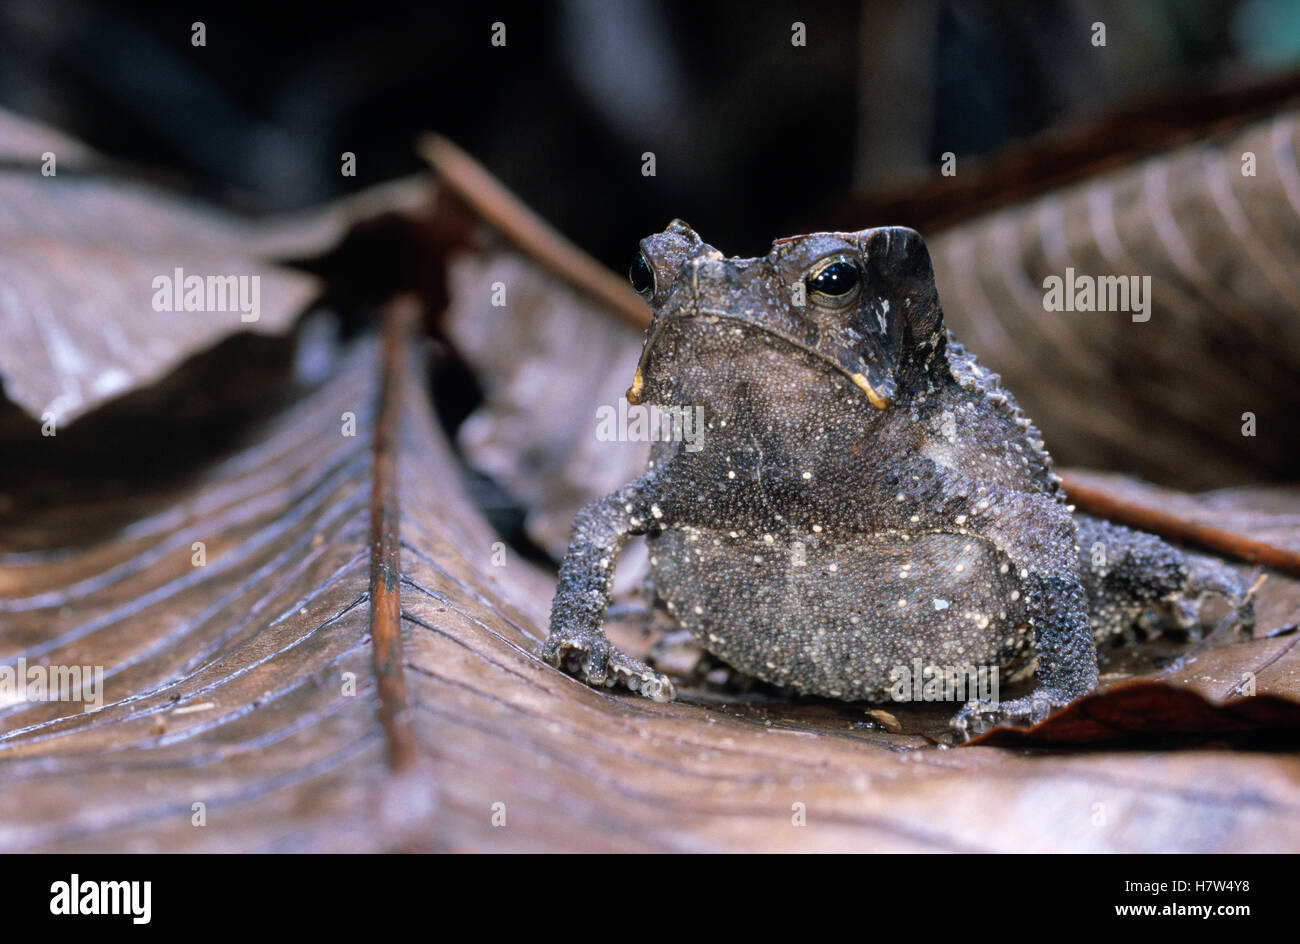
80	253
1163	398
223	682
25	141
533	433
77	280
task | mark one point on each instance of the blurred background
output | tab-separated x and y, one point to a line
753	137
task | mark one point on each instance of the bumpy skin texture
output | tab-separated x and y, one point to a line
866	494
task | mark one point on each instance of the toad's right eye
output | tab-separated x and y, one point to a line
641	276
835	283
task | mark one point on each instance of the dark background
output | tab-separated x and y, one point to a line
753	136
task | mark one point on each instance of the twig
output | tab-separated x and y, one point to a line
532	235
385	562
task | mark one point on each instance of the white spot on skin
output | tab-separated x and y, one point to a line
654	510
940	604
902	603
807	475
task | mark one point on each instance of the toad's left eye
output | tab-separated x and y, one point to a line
834	284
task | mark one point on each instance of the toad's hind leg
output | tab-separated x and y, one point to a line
1134	580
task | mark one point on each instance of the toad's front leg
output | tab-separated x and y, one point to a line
1038	536
577	642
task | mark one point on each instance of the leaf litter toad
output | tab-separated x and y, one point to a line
866	495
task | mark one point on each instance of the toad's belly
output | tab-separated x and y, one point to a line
844	619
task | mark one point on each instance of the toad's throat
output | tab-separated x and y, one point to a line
876	394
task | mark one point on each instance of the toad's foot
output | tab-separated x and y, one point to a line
588	655
980	717
1206	580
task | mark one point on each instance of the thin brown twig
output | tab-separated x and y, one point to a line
399	320
531	234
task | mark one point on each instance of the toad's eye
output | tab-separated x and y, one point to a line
641	276
834	284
